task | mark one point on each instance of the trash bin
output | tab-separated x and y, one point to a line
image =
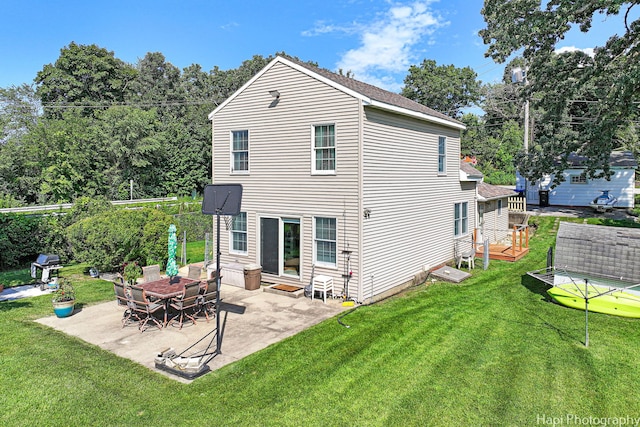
252	276
544	198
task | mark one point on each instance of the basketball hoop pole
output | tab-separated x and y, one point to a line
220	199
218	334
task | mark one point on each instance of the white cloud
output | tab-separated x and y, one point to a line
589	50
389	44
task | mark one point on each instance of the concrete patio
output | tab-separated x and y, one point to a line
250	321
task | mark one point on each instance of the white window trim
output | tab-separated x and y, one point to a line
499	202
444	156
580	180
315	171
246	232
232	160
461	233
315	247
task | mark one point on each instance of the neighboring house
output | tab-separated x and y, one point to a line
493	213
340	178
577	190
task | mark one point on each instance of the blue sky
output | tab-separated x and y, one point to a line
375	39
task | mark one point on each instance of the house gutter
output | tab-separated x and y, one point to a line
415	114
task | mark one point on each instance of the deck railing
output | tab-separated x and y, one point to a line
519	238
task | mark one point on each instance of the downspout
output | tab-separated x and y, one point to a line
359	213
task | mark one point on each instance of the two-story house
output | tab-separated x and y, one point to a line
340	178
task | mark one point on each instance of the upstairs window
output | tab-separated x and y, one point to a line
442	155
240	151
324	149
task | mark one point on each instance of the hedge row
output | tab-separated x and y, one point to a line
96	232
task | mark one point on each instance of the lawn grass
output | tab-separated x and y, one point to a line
195	251
492	350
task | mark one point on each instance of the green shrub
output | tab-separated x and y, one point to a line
21	239
109	239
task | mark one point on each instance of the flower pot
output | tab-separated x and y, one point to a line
63	308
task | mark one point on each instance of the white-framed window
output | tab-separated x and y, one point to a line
461	219
324	149
442	155
578	179
240	151
499	207
239	233
325	241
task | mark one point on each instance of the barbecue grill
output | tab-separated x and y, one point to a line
49	265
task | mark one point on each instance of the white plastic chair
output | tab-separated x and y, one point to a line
321	284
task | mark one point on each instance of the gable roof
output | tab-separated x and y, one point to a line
487	192
469	173
621	159
369	95
600	251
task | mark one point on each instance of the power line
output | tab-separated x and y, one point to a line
131	104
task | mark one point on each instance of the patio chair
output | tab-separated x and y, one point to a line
194	272
145	309
208	299
122	299
186	304
151	273
468	255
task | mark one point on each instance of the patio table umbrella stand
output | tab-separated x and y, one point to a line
219	199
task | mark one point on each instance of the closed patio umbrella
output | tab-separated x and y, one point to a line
172	267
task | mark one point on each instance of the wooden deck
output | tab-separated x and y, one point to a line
504	252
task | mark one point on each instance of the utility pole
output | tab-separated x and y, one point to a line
131	189
519	75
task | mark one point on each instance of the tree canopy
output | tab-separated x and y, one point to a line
588	104
444	88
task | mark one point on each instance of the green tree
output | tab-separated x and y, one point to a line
444	88
110	238
132	146
495	151
19	111
587	102
84	75
19	114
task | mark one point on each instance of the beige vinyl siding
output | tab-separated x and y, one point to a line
412	207
280	183
496	227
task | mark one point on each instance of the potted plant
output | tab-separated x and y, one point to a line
64	298
131	273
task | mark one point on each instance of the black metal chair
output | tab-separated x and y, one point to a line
122	299
186	304
145	309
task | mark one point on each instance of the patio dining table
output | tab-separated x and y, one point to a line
166	288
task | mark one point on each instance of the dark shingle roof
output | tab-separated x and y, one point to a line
375	93
468	168
600	251
617	159
490	192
